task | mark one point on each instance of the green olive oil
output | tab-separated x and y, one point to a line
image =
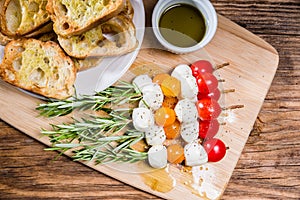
182	25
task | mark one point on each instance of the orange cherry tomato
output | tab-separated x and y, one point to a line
159	78
171	87
175	153
164	116
172	131
170	102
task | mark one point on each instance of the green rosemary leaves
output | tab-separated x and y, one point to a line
101	139
114	95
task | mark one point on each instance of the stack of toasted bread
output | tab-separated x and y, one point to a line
47	42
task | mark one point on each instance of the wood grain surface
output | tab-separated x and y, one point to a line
267	169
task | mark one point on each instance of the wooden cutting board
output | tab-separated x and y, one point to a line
253	63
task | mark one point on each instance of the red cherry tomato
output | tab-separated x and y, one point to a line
206	83
208	109
208	128
216	94
201	67
202	87
215	149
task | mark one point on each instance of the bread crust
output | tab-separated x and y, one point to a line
128	10
66	24
40	67
4	40
46	28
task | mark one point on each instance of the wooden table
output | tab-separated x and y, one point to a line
269	167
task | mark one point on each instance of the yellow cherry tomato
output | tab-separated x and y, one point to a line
172	131
164	116
159	78
171	87
170	102
175	153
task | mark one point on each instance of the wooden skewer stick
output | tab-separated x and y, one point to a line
228	91
233	107
222	65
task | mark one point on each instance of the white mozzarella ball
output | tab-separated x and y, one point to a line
189	87
195	154
141	81
142	119
155	135
153	96
189	131
157	156
186	111
181	70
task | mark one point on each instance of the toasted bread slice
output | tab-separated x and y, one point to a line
114	37
40	67
87	63
80	64
72	17
21	17
45	33
4	39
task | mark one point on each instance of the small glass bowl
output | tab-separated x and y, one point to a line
208	12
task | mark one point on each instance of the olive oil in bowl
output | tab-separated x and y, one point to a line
182	25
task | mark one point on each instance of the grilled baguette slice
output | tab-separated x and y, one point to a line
87	63
41	32
21	17
80	64
72	17
40	67
114	37
3	38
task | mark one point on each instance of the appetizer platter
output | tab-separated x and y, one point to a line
172	125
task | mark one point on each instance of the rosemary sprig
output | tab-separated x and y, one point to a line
104	151
94	126
98	139
119	94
